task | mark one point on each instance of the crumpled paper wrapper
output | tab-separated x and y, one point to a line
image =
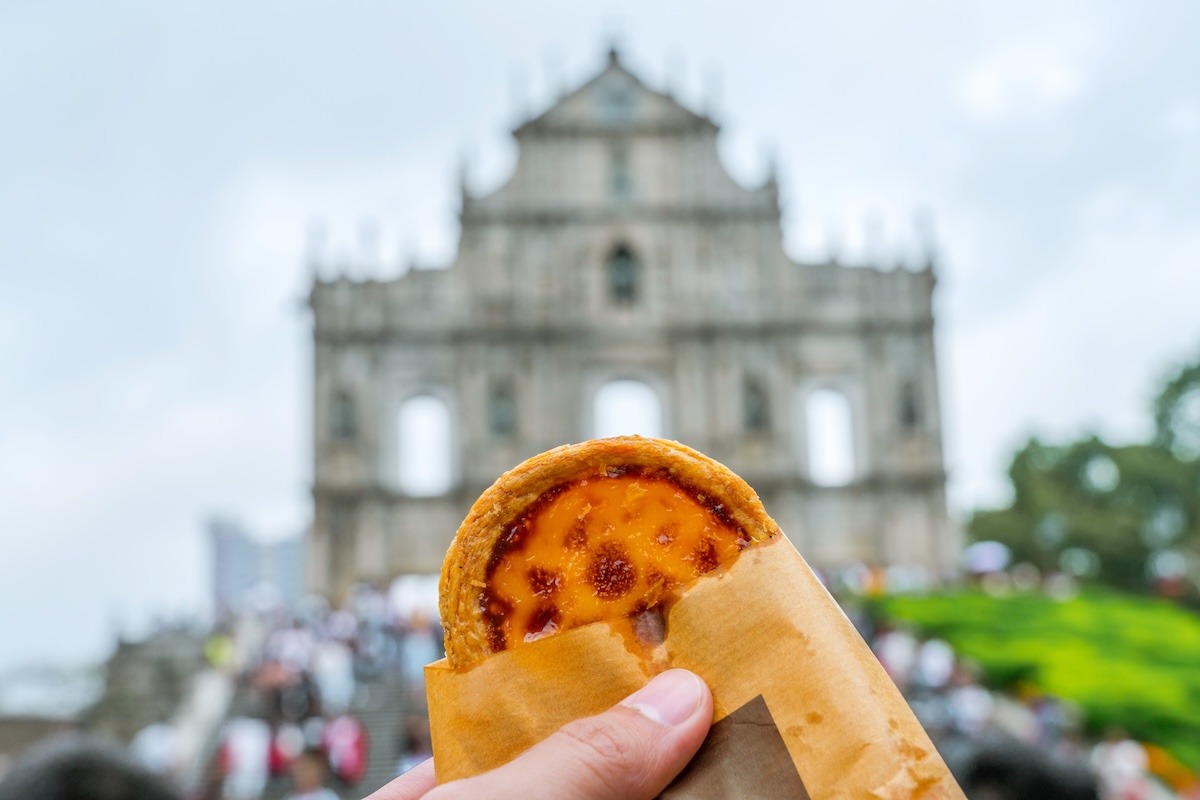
801	706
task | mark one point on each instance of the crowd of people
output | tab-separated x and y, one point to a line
303	678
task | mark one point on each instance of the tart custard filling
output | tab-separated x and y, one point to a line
601	547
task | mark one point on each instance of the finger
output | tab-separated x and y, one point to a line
630	752
409	786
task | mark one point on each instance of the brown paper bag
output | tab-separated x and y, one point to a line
801	706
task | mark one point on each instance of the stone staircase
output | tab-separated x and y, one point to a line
381	707
380	703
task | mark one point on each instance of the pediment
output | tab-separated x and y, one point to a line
616	99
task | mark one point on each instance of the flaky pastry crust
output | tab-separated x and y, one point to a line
465	572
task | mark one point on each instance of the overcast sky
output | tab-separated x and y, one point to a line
160	162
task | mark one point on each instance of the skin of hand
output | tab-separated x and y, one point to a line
630	752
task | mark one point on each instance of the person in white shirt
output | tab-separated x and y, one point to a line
154	746
249	742
1121	763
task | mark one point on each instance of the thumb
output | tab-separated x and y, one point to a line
630	752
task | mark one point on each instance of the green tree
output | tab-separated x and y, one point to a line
1123	515
1177	414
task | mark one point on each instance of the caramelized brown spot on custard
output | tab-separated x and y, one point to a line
511	539
577	538
544	620
605	546
719	511
544	582
706	556
611	573
496	612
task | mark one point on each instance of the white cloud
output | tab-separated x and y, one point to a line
1017	81
1085	353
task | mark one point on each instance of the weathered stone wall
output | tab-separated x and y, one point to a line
531	303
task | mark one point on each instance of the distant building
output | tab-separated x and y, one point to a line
235	565
284	566
620	260
246	569
145	681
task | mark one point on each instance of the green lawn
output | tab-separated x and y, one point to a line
1128	661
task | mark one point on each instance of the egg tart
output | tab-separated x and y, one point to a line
602	530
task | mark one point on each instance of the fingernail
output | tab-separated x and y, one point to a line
669	699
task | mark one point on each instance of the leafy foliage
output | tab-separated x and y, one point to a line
1126	661
1177	414
1123	515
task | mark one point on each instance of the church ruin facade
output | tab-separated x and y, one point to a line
621	261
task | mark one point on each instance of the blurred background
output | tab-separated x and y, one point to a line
286	285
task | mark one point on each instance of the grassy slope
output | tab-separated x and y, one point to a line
1128	661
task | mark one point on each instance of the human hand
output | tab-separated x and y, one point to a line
630	752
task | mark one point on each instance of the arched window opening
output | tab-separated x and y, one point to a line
622	276
620	180
910	407
756	407
502	409
625	407
343	416
426	463
830	425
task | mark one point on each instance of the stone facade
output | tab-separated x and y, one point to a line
621	249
